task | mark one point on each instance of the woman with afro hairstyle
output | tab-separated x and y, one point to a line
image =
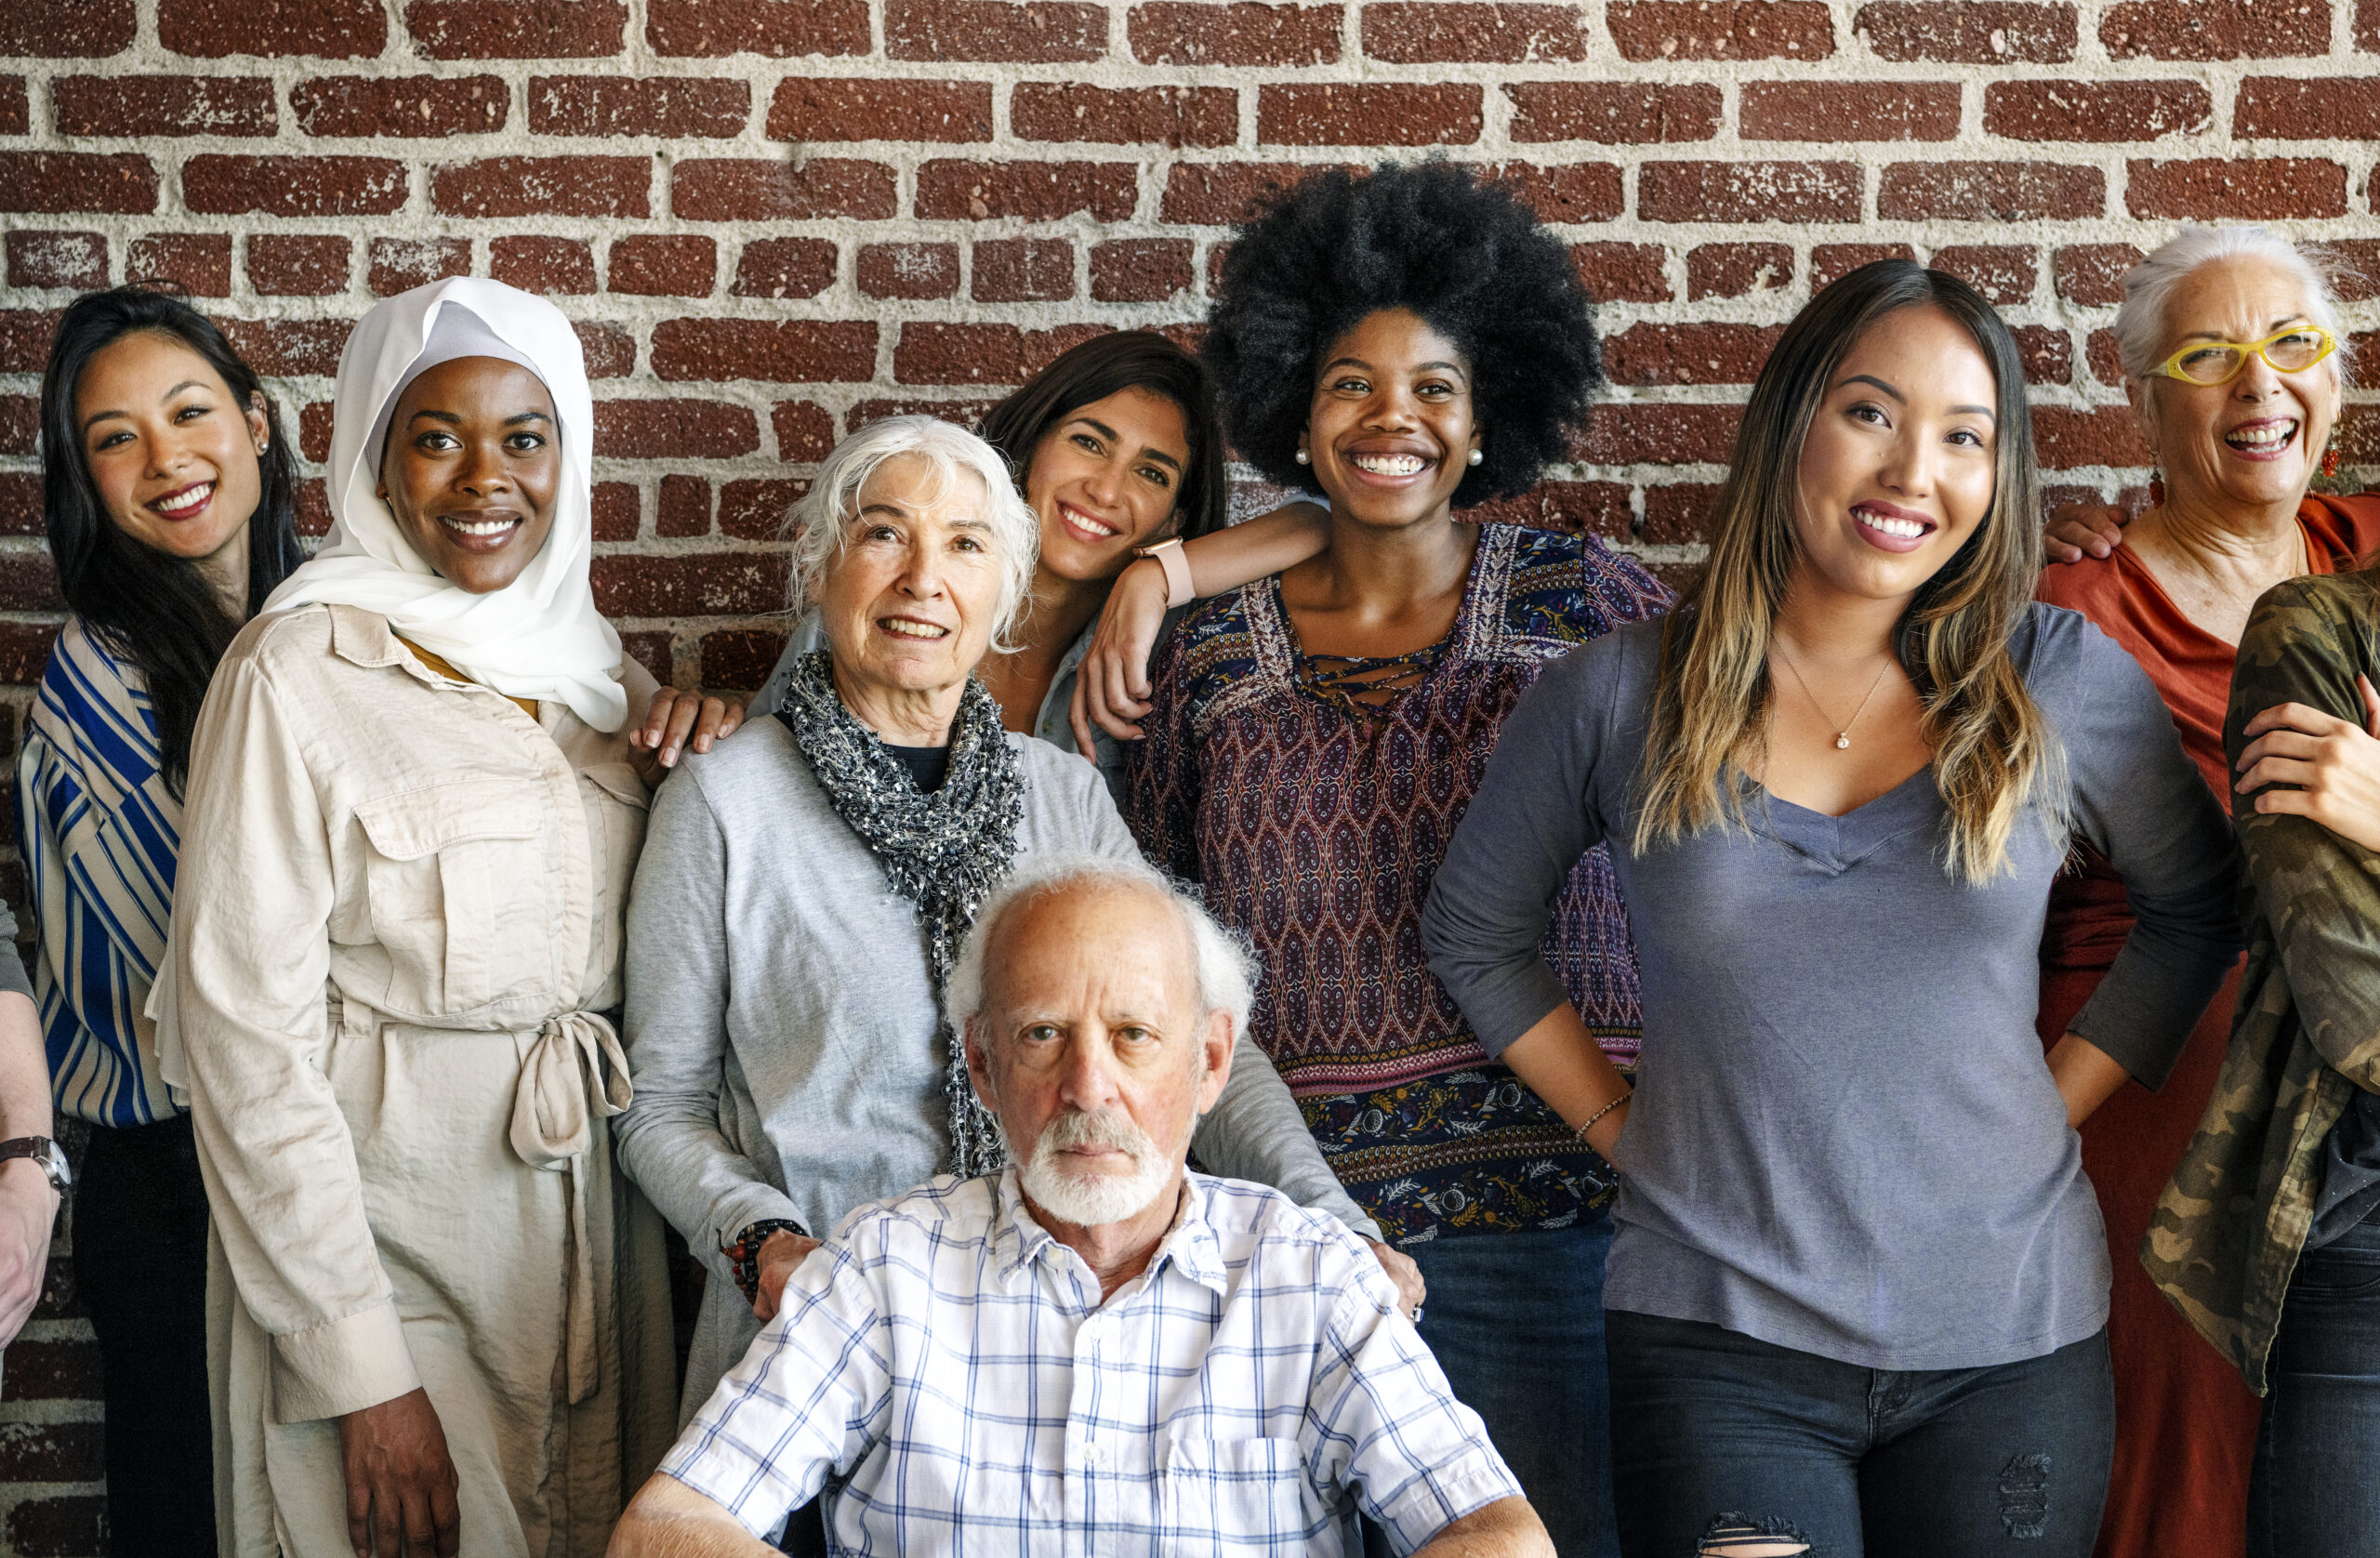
1411	343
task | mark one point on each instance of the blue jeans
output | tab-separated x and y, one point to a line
1725	1436
2312	1494
1516	1322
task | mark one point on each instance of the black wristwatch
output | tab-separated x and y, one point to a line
44	1151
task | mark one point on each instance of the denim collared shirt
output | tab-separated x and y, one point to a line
952	1366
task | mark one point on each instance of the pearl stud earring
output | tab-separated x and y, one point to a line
1477	457
1305	458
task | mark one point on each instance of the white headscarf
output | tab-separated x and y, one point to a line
541	636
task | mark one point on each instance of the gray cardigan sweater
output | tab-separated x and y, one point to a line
782	1030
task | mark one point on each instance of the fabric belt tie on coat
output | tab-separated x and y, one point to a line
576	1073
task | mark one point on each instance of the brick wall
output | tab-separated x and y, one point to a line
776	218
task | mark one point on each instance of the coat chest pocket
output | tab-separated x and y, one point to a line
1228	1496
456	884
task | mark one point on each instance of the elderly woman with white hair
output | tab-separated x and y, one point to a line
2235	358
807	883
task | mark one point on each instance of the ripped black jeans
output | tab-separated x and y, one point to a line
1727	1446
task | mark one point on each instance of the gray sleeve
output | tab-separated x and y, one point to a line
2140	800
1256	1131
13	963
1536	812
669	1140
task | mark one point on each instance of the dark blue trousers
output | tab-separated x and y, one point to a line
2313	1493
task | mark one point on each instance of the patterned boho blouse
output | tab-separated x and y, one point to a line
1315	818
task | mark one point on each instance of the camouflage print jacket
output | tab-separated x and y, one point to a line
2233	1218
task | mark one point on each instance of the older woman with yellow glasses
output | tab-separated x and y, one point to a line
2230	339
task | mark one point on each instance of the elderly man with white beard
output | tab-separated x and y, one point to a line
1095	1351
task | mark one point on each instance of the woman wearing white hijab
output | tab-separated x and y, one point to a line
437	1319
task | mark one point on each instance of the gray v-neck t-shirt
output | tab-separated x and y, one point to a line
1844	1139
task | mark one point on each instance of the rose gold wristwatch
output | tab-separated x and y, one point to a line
1178	589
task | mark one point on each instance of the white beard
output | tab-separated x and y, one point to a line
1090	1200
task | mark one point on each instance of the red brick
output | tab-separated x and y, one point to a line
1736	270
980	353
684	508
2105	435
120	182
423	106
47	1452
401	264
64	1370
325	29
1688	353
1748	191
2094	273
1650	30
1563	192
809	108
1616	113
2105	357
1833	111
1830	262
655	650
2241	190
1368	113
2002	272
2216	29
288	347
1035	191
62	1527
19	424
2095	111
779	29
691	583
2047	354
1024	270
164	105
1678	512
1588	508
66	29
199	262
565	265
679	107
1140	270
1217	193
742	190
611	352
663	265
1618	434
24	338
2367	26
674	429
314	429
544	187
1622	272
757	510
785	268
776	351
908	270
296	264
16	111
2362	256
1204	32
738	659
517	29
75	259
1990	192
1406	34
1009	32
2286	108
804	431
615	511
1159	116
1969	32
294	186
2359	435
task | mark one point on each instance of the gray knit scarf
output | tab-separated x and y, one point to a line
943	852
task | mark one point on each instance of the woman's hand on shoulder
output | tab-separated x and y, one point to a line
2334	764
674	720
2096	528
1112	686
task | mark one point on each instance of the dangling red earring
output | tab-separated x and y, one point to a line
2157	490
2329	465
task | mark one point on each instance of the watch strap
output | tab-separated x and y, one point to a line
42	1150
1178	591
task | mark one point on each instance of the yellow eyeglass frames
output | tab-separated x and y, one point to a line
2211	362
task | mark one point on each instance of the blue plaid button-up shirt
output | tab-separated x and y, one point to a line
949	1364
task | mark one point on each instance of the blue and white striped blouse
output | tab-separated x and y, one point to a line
101	834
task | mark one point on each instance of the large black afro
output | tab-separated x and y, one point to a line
1467	257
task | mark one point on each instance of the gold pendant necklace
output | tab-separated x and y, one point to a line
1842	736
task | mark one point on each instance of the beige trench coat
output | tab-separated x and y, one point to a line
398	908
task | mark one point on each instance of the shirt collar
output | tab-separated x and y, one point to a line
1189	1247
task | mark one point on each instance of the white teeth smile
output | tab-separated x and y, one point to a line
478	527
911	630
1905	530
2272	435
1084	521
1392	465
185	503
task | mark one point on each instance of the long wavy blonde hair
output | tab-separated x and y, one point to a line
1994	750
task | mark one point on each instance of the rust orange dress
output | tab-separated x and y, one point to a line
2186	1425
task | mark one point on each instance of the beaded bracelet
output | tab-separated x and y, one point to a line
1589	1123
744	1254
